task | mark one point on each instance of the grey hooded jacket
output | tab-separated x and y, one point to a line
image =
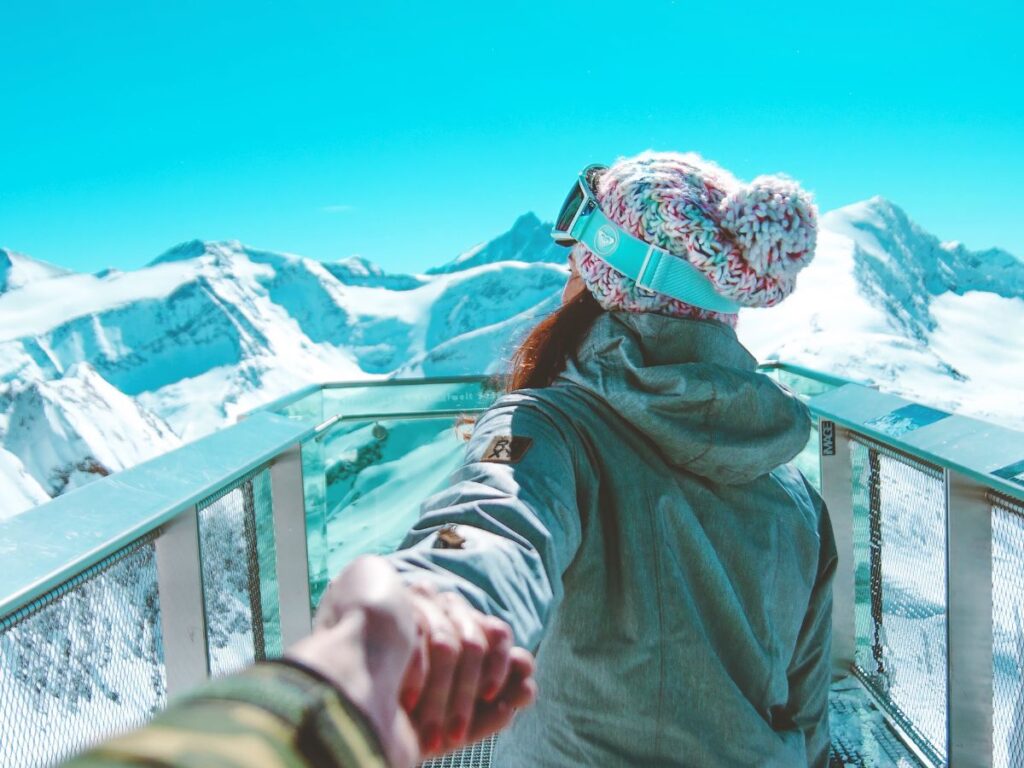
642	530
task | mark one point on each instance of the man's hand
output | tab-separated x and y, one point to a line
365	636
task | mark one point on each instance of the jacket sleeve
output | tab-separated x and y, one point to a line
516	518
810	671
276	715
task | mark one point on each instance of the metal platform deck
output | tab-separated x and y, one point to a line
861	737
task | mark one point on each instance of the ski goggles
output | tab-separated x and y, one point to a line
581	221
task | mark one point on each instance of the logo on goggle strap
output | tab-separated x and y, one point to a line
606	240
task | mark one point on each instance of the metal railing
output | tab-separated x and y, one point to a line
145	583
109	595
915	497
141	585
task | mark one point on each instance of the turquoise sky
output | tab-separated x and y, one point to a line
406	132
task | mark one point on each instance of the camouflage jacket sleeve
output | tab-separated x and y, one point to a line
271	715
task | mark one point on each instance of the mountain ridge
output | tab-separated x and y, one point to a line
210	329
18	270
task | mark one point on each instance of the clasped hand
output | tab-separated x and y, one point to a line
430	672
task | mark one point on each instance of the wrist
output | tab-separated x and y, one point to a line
337	655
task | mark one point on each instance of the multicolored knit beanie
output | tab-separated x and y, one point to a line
751	240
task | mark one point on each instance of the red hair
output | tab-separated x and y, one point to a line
542	355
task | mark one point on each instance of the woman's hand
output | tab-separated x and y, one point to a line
431	672
467	679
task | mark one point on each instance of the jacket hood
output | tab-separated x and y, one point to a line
694	391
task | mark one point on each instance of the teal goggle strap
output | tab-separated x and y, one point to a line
648	266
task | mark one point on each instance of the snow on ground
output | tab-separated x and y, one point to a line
18	489
210	331
41	305
196	406
980	334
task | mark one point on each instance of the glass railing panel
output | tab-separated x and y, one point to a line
808	460
309	409
899	550
803	381
236	546
395	397
83	661
1008	631
314	482
387	397
802	385
379	472
305	405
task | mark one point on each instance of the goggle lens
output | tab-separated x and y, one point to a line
572	204
581	194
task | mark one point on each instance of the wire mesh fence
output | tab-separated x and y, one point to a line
900	557
1007	631
236	545
82	662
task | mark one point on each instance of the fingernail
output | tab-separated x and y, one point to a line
432	736
491	691
409	700
457	729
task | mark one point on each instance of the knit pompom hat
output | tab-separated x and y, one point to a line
750	240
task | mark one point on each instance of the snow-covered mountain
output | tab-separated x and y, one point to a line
17	270
70	430
528	240
888	303
100	371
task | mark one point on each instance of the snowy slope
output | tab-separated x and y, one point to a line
18	270
18	489
70	430
210	330
356	270
886	302
528	240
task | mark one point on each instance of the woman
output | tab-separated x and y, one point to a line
628	508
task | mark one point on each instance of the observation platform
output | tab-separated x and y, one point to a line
145	583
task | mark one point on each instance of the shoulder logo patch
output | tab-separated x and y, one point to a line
507	449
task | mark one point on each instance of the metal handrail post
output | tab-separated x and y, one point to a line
837	492
182	612
289	510
969	622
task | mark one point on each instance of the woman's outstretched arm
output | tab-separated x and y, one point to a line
508	526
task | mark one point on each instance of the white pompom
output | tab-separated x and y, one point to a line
775	224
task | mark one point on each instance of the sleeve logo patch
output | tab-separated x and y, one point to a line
507	449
